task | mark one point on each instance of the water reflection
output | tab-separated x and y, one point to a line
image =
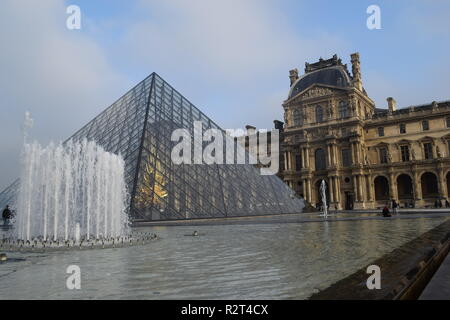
260	261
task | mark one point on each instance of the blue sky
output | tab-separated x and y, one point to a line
230	58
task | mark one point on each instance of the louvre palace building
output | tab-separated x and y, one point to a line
366	155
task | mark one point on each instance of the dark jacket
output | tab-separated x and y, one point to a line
6	214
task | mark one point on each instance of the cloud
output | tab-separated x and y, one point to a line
235	39
417	46
61	76
238	50
227	57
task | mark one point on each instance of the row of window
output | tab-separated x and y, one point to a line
402	127
405	153
346	156
342	109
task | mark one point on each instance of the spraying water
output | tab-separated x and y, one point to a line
323	193
73	191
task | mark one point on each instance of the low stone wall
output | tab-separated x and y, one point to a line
38	245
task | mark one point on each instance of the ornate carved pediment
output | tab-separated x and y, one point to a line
315	92
426	139
403	142
445	138
381	145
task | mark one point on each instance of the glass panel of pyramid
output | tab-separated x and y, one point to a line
139	126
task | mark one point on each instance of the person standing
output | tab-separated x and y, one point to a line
6	215
394	206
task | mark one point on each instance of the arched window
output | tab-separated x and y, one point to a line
343	109
404	187
320	161
381	186
319	114
298	118
429	184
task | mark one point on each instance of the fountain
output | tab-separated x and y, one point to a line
71	193
323	193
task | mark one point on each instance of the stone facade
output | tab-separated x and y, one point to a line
366	155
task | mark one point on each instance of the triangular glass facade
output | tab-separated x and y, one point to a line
139	126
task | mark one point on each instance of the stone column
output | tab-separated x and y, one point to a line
337	198
305	189
369	188
285	161
360	187
335	155
352	150
393	187
417	190
331	190
308	162
358	153
303	157
442	185
355	187
337	191
309	191
329	155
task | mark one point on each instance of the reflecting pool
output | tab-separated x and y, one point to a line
238	261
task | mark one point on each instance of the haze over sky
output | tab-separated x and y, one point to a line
230	58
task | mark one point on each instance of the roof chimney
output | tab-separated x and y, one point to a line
278	124
293	75
356	70
250	129
392	104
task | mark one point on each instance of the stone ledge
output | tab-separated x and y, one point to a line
398	270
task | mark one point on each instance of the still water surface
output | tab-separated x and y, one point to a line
252	261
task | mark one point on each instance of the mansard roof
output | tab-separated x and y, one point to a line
329	72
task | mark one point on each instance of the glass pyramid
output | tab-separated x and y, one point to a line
139	126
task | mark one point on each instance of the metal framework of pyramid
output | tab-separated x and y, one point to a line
139	126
